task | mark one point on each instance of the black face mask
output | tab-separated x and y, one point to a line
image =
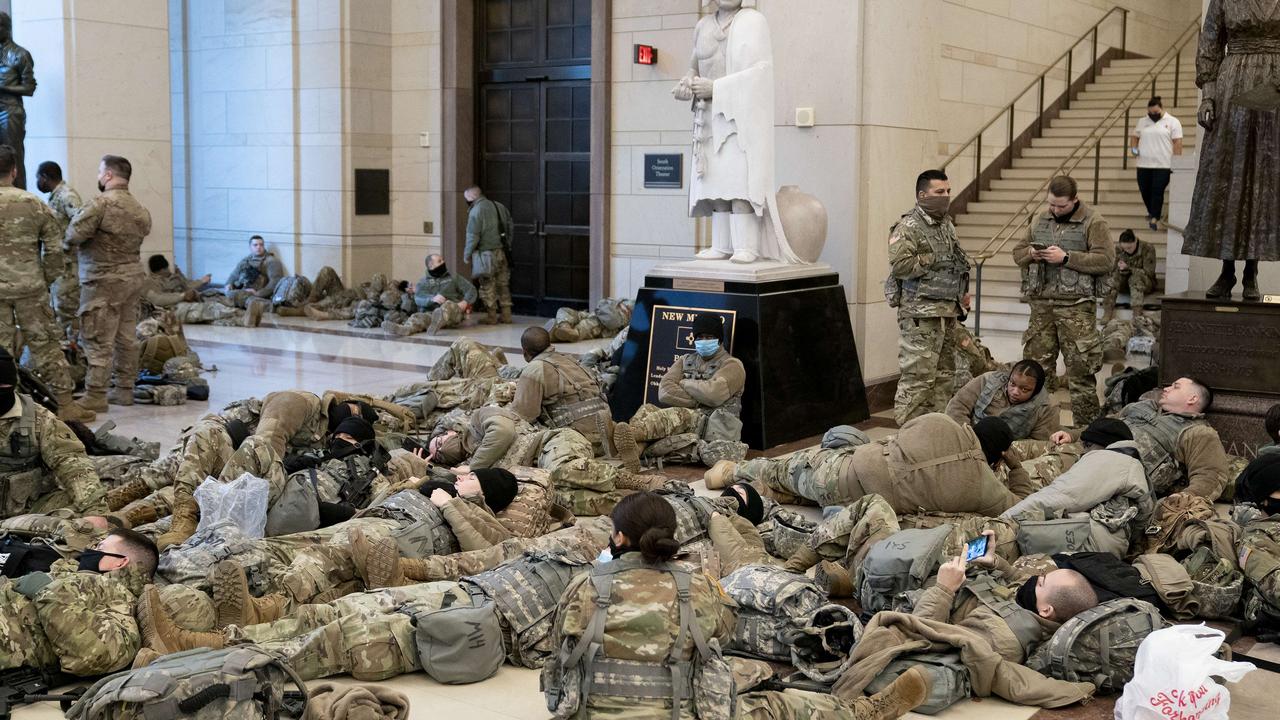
1271	506
102	188
339	448
438	272
89	559
8	396
1026	596
1155	116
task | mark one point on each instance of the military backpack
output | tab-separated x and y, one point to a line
292	291
241	683
899	564
772	605
155	351
1100	645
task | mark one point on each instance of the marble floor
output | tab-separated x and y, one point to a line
292	353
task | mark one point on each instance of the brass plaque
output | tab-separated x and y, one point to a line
699	285
1234	350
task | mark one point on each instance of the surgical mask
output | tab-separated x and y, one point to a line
1026	597
438	272
89	559
604	556
1155	116
935	206
706	348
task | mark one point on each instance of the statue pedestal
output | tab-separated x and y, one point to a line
1231	345
788	324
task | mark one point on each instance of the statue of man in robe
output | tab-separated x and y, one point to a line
17	79
730	85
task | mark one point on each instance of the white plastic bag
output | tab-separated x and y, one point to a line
1171	677
243	501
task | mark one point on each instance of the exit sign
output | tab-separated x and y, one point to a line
646	55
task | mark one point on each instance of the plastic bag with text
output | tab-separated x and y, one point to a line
243	501
1171	680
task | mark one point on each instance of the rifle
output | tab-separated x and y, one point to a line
25	685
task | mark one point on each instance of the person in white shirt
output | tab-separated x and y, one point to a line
1155	140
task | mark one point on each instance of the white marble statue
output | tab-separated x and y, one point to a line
730	84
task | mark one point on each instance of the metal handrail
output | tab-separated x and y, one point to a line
1011	109
1021	217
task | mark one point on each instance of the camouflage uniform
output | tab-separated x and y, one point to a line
254	277
208	313
65	203
453	287
467	359
1139	278
703	396
929	275
555	390
486	223
1064	301
609	316
588	537
108	232
32	259
168	287
803	705
847	536
43	466
81	622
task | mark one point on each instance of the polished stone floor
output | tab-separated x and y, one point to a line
290	353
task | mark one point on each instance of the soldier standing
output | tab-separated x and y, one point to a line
1066	258
65	202
928	283
108	233
32	252
488	250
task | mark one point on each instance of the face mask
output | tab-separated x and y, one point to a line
438	272
1026	596
8	396
935	206
706	348
1155	116
1271	506
101	187
341	448
89	559
604	556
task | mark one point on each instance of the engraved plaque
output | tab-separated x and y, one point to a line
699	285
1231	346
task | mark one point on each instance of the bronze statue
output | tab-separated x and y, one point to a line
17	78
1235	213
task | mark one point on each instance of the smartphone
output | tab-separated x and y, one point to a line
1039	246
977	548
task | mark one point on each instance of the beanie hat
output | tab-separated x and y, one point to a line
1104	431
356	427
708	324
431	486
238	432
8	368
1259	479
995	436
156	263
752	508
451	451
499	487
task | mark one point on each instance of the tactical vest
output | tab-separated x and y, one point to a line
577	397
697	368
22	476
1043	281
946	279
691	524
248	271
1022	622
423	531
526	593
1021	418
1156	434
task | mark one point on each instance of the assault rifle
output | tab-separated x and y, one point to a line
24	685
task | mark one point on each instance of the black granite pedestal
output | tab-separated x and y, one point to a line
1232	345
793	337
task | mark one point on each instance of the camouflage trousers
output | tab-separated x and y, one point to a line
36	632
572	325
737	544
847	536
451	314
327	284
467	359
208	313
1138	285
583	484
1117	333
66	298
40	333
803	705
1073	331
108	319
495	288
361	634
429	400
972	357
812	474
332	311
317	566
255	456
1044	461
926	362
588	537
654	423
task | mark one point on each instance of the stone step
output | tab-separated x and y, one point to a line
1112	159
1017	197
1109	207
1078	111
973	243
1057	136
1083	170
1124	181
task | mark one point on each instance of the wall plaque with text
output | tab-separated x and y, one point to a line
672	336
664	171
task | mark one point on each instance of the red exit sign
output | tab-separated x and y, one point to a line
646	55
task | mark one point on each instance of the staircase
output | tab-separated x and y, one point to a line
1118	200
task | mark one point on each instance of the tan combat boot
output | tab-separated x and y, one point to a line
1108	312
627	480
900	697
253	312
801	560
162	634
135	515
118	497
505	318
720	475
122	396
186	516
234	604
437	321
290	311
833	578
624	441
70	410
315	313
145	657
377	561
94	400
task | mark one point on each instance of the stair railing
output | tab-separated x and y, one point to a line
1092	144
973	191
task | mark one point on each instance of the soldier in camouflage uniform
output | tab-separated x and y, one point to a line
928	283
1067	257
1135	271
32	250
443	298
167	286
43	466
556	391
703	394
108	233
255	277
79	616
610	316
488	249
65	202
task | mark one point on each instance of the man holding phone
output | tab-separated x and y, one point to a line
1067	257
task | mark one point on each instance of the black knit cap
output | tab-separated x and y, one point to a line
995	436
499	487
1259	479
356	427
1104	431
238	431
156	263
708	324
752	508
8	368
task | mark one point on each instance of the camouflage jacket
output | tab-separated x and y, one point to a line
704	383
452	286
1141	262
30	245
1091	257
260	274
167	287
109	232
88	617
65	203
927	266
56	461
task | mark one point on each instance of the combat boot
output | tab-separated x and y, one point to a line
627	480
720	475
900	697
505	318
162	634
490	318
624	441
118	497
253	312
145	657
289	311
122	396
437	321
801	560
233	603
70	410
1108	311
377	561
94	400
139	514
833	578
315	313
186	516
